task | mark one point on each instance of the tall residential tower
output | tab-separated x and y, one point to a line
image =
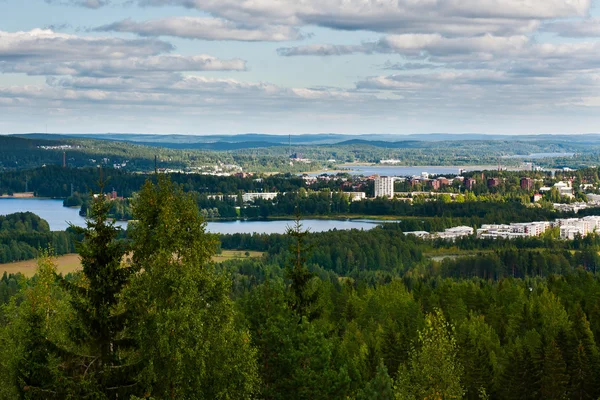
384	186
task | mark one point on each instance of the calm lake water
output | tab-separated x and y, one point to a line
58	218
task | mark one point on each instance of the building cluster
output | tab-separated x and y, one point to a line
449	234
60	147
573	207
564	188
246	197
435	184
569	228
250	197
573	227
299	157
512	231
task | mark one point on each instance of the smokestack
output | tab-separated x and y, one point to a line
64	159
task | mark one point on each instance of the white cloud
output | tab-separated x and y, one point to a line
500	17
133	65
44	52
177	91
204	28
45	44
589	27
423	46
322	50
94	4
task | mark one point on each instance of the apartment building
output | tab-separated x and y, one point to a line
384	186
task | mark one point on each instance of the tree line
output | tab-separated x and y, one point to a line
23	235
152	317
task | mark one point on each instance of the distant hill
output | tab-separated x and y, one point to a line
259	140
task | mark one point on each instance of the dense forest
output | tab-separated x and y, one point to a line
54	181
333	315
31	151
22	235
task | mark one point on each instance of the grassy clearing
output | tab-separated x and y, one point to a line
452	253
236	255
67	263
71	262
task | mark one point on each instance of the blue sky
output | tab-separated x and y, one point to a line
300	66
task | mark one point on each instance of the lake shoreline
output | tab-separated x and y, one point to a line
59	218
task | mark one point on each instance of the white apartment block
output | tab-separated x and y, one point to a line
572	227
357	196
512	231
250	197
456	232
448	234
384	186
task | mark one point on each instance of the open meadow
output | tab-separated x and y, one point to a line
71	262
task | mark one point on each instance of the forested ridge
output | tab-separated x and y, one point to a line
22	235
332	315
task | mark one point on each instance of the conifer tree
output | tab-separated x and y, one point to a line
582	383
381	387
554	381
304	293
98	363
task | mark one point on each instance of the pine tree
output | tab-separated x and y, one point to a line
584	338
554	381
581	386
520	376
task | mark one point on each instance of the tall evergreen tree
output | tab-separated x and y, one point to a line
554	380
99	365
381	387
581	386
305	294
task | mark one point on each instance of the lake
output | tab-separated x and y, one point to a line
58	218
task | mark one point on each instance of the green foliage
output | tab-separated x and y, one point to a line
381	387
190	344
434	371
554	380
99	319
33	325
305	290
22	235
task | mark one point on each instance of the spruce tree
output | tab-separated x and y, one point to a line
98	363
582	384
304	293
381	387
554	381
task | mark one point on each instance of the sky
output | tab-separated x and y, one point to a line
300	66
